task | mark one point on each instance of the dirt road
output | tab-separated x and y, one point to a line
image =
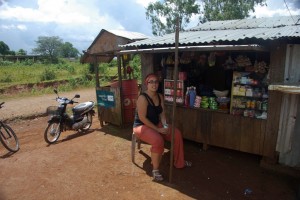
97	165
29	106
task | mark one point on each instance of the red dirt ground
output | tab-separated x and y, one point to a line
97	165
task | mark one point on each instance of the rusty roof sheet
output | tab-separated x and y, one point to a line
230	30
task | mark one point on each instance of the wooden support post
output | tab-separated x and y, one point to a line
120	86
174	100
97	82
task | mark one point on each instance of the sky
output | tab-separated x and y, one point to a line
80	21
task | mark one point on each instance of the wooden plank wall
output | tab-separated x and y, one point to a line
107	42
277	61
220	129
277	70
272	126
147	61
111	115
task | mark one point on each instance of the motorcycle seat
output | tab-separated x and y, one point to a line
83	106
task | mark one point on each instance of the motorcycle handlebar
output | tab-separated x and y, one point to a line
65	100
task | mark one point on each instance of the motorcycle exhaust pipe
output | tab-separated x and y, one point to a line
80	124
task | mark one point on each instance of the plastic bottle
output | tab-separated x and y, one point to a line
192	93
187	97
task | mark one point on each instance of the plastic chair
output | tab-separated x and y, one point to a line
134	140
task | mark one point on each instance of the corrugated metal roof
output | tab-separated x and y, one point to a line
128	34
270	22
230	30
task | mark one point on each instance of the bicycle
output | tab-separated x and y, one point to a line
7	136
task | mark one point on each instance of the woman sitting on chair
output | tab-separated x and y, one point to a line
150	126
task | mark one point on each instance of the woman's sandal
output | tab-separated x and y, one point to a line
187	163
157	176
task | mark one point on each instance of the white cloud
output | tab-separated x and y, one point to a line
61	12
144	3
75	21
276	8
21	27
12	26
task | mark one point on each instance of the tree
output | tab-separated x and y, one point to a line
21	52
163	15
216	10
49	47
68	51
4	49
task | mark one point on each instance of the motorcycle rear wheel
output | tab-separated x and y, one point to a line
52	132
89	123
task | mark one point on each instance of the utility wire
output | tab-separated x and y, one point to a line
289	11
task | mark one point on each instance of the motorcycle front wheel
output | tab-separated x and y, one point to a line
88	124
52	132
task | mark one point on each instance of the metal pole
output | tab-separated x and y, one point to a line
174	99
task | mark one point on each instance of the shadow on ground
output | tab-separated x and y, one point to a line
222	172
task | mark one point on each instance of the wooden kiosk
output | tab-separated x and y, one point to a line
210	55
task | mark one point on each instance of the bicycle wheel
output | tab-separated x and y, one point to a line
52	132
89	122
9	139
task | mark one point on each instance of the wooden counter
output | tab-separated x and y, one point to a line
220	129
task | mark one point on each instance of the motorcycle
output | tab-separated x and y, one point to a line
80	120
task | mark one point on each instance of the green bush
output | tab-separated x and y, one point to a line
28	62
68	68
91	68
135	63
48	74
5	63
7	78
72	82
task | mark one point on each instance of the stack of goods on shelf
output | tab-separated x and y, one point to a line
212	103
197	102
222	99
243	61
249	96
169	91
204	102
260	67
229	64
223	103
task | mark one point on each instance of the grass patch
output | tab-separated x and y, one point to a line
22	79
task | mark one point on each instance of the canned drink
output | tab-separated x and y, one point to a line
248	104
265	106
245	113
253	104
258	105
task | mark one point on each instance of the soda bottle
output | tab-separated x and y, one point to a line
192	93
187	97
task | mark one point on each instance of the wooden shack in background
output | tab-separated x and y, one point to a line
102	50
